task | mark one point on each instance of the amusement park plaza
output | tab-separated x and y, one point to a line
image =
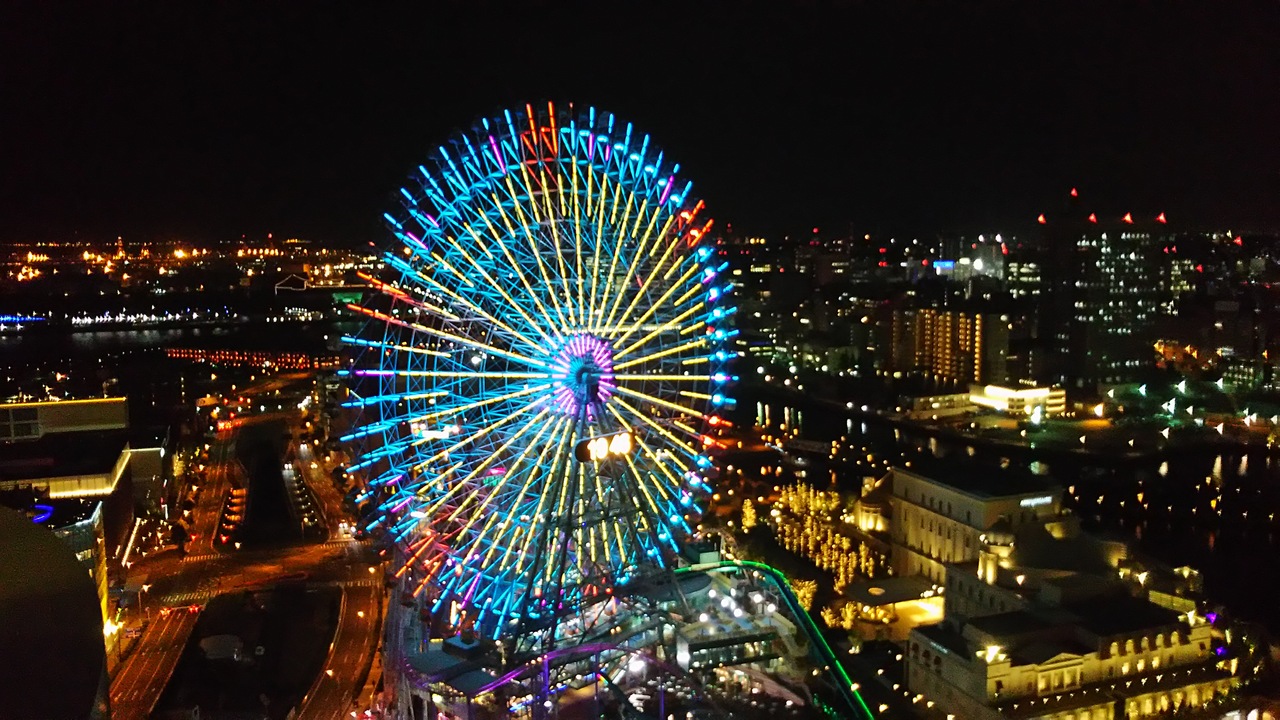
560	447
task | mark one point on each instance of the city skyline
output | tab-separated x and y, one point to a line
212	124
807	360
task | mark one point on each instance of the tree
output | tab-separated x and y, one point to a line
805	590
748	515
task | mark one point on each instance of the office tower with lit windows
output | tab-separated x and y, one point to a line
1105	289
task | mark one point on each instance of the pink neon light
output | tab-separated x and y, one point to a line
497	156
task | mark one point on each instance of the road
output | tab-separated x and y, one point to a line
209	499
139	682
205	572
316	473
349	655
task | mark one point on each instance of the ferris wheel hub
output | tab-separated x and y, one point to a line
583	371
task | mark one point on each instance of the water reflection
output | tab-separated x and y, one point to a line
1202	507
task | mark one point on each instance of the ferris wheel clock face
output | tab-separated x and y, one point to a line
551	284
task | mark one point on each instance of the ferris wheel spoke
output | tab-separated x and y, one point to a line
560	470
497	285
654	307
554	441
641	377
487	316
552	476
467	407
584	300
494	457
599	244
682	347
522	537
654	400
657	272
617	249
459	374
478	435
400	295
691	294
655	511
397	347
679	461
532	240
516	268
470	342
645	252
552	221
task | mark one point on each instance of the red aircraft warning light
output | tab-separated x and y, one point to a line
1074	193
1041	219
1160	218
1093	217
1128	217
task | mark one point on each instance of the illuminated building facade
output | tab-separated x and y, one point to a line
78	523
1020	401
1023	278
932	407
957	346
256	358
72	450
935	522
1042	620
1095	655
1116	299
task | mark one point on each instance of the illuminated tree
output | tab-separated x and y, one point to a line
805	590
748	515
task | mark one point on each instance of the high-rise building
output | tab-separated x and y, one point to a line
957	346
1104	280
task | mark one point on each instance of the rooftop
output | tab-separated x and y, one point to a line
1039	634
1034	653
945	637
1010	625
65	512
61	455
889	591
980	480
1123	615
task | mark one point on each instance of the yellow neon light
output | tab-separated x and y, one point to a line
693	269
497	238
662	353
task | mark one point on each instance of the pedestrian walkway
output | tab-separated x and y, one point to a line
201	557
362	582
187	597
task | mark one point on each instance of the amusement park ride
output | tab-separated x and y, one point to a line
545	351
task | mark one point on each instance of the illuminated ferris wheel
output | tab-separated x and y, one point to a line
541	363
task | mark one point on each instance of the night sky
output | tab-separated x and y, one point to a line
178	120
